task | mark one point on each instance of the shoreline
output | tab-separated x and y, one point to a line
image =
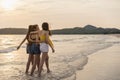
14	63
102	65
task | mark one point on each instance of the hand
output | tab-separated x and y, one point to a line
18	47
53	50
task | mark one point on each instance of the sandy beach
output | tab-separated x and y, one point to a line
102	65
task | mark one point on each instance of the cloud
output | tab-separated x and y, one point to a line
44	1
34	5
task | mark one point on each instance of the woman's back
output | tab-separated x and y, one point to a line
43	35
33	37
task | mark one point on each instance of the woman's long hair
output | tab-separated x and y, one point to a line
34	28
45	26
30	28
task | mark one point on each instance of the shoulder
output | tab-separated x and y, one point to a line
45	32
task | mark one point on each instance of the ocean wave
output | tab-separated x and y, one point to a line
66	66
67	40
10	49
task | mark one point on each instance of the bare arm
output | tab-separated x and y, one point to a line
37	37
22	42
47	40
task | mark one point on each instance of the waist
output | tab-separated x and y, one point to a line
43	43
42	40
32	43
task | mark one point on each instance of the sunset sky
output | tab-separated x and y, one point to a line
60	13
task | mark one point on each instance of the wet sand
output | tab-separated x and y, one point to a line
102	65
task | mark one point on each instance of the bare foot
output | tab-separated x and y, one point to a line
39	75
31	74
48	71
26	72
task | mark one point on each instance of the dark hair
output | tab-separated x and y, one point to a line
29	30
45	26
34	27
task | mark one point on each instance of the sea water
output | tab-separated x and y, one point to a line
71	54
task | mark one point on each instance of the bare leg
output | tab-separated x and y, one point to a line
38	63
44	55
30	60
47	63
36	59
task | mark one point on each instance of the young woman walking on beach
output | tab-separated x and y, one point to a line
30	48
44	46
35	39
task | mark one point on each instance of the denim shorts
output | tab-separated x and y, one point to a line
33	48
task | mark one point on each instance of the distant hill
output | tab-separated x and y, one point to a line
88	29
13	31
